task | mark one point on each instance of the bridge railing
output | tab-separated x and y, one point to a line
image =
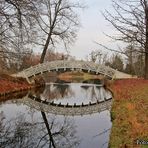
62	64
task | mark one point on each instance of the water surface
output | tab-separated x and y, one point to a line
61	115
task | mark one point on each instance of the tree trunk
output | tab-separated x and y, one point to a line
131	60
45	48
146	64
146	44
50	32
48	129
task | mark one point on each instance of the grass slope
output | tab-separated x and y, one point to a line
8	83
129	113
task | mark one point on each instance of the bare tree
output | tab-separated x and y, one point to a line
27	24
17	29
116	62
58	22
16	23
98	56
130	19
134	61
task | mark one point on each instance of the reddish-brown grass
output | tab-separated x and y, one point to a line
129	112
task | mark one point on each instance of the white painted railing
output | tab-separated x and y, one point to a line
63	64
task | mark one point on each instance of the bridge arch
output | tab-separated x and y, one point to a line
65	64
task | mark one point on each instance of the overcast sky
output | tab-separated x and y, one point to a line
92	27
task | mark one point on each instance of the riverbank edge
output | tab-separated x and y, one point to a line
14	91
13	85
123	128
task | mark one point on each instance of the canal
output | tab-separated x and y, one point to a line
63	114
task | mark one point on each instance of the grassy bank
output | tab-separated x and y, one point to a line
9	84
129	113
81	75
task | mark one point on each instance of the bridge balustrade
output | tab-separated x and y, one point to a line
62	64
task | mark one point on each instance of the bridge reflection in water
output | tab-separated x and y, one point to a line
68	110
61	99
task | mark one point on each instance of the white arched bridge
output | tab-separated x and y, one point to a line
72	65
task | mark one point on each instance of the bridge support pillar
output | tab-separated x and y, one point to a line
24	75
28	80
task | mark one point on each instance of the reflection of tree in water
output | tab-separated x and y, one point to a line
37	91
91	91
48	93
61	135
94	96
63	90
106	131
92	81
86	90
101	95
85	87
18	132
95	92
54	91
